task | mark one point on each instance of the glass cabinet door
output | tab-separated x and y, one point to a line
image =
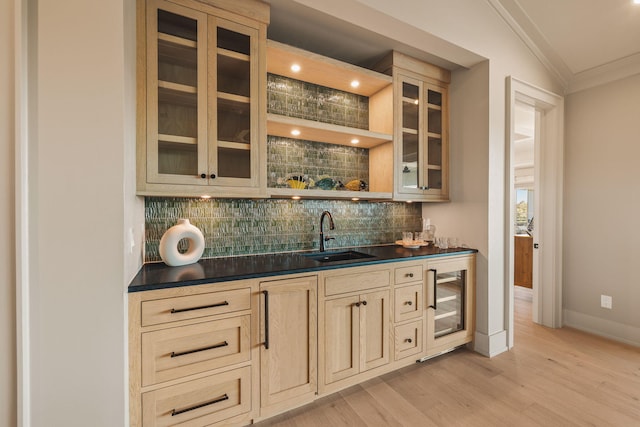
449	296
176	94
422	154
234	160
434	152
450	310
410	144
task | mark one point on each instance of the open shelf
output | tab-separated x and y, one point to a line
328	194
310	130
323	71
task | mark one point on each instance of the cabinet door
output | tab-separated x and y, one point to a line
233	159
342	338
289	354
450	303
422	135
374	329
176	94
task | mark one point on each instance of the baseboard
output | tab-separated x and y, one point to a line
490	345
602	327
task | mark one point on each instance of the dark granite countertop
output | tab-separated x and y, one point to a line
160	276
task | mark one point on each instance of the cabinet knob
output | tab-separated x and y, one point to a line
203	175
409	303
364	303
213	176
409	340
357	304
409	275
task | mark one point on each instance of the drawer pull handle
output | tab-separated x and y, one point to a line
409	340
409	303
202	307
409	275
201	405
211	347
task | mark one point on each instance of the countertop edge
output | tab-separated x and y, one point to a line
156	276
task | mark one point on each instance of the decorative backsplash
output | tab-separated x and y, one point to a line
239	227
314	161
295	98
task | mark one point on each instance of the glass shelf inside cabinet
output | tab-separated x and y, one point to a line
449	314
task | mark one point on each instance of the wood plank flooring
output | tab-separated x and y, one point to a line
552	377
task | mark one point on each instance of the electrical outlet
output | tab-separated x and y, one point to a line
606	301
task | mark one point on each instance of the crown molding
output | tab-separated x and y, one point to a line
511	12
616	70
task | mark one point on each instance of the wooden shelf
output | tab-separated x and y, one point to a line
328	194
323	71
177	139
234	145
234	55
278	125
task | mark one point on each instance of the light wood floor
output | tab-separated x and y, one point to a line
552	377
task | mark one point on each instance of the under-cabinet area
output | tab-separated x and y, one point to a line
238	351
224	112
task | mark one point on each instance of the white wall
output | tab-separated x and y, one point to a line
79	258
602	201
7	242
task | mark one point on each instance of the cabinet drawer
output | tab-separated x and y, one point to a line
194	306
176	352
408	339
354	282
199	402
410	273
408	302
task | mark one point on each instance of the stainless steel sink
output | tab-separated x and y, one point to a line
337	256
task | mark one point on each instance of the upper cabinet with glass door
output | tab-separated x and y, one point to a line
201	98
421	166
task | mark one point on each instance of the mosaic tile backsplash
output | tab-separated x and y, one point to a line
295	98
314	161
240	227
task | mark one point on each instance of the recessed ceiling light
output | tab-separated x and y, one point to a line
295	68
295	132
355	84
205	196
355	140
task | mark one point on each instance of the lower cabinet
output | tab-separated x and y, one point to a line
288	354
233	353
190	356
356	334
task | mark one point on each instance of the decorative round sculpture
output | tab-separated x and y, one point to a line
169	244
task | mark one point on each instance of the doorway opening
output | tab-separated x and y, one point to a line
535	164
525	195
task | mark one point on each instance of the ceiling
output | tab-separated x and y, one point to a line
583	42
578	40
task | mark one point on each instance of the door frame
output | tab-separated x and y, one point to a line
548	168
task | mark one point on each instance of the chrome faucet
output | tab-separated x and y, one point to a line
331	227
